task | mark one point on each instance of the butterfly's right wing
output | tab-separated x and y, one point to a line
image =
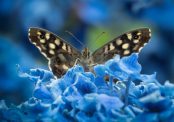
60	54
124	45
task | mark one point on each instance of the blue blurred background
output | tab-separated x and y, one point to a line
86	20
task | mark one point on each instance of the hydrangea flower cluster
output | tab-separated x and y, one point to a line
83	97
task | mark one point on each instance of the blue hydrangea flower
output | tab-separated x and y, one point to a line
41	92
125	69
3	108
155	106
56	88
29	112
35	74
168	89
154	102
82	96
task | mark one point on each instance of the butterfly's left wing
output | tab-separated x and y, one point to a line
124	45
60	54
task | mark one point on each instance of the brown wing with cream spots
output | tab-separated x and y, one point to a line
60	54
124	45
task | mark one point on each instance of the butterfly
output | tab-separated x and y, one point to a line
62	56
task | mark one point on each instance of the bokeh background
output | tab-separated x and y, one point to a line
86	19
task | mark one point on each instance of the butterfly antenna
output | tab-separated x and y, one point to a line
75	38
97	38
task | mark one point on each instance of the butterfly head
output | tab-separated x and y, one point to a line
86	52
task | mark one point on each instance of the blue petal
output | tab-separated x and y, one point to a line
148	78
166	114
168	89
151	87
57	87
132	112
147	117
115	64
89	75
38	108
32	100
78	68
67	105
72	93
109	102
129	112
135	110
26	76
58	102
81	117
12	106
122	76
84	85
62	103
88	103
69	90
108	91
36	74
3	107
108	63
100	81
130	64
41	91
61	116
76	95
73	112
154	102
101	70
99	117
143	89
47	101
134	93
117	115
68	77
14	115
153	97
22	106
43	74
74	70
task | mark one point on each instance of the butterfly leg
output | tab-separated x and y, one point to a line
78	61
92	65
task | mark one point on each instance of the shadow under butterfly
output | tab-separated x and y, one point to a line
62	56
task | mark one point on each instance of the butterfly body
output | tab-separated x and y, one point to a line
62	56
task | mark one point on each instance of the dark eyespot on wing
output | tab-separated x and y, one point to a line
135	37
42	36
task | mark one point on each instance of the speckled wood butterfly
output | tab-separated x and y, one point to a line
63	56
